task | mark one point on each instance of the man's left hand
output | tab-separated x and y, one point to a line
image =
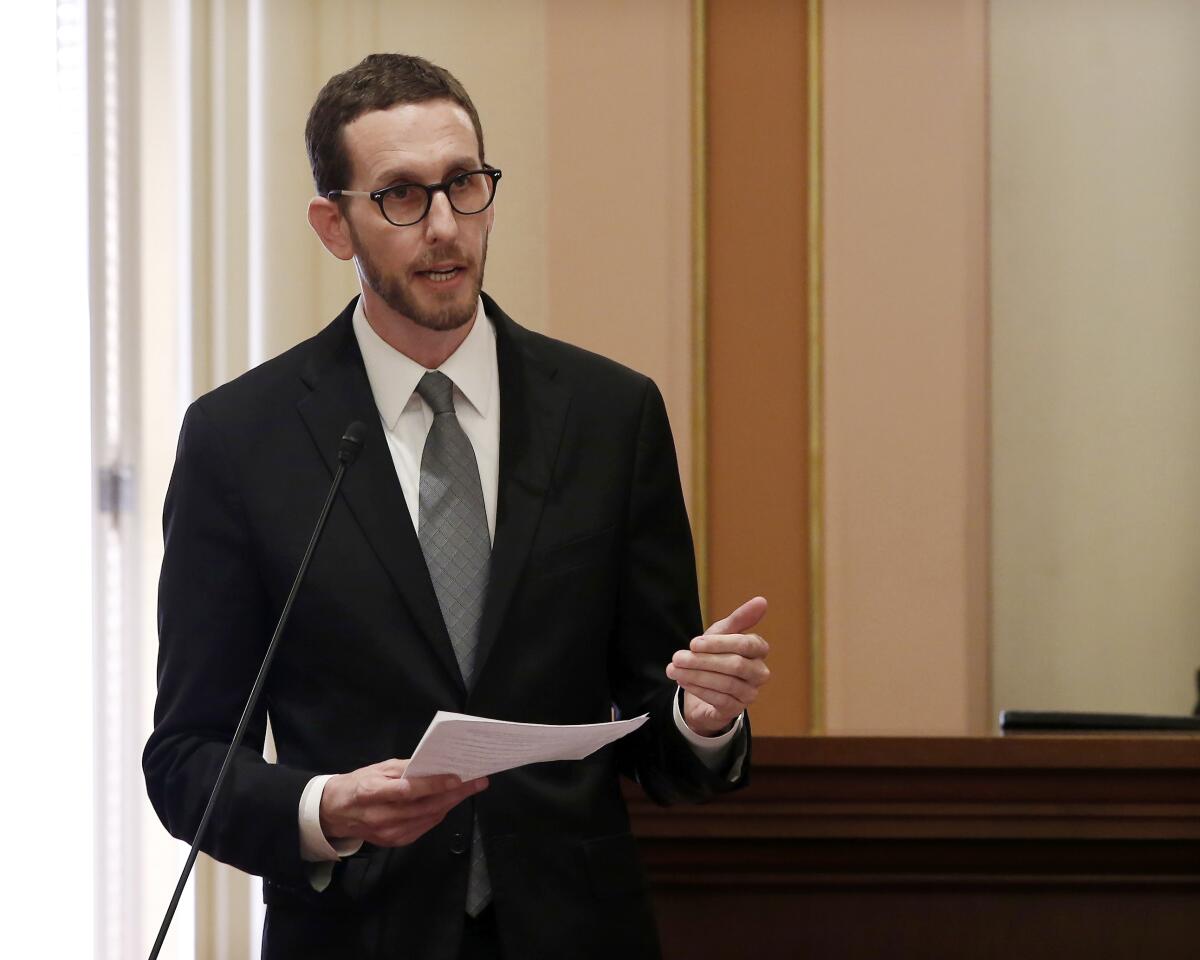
722	671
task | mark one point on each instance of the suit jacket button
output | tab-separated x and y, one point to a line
459	843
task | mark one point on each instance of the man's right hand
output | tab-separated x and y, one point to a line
375	805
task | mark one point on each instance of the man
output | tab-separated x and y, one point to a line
511	543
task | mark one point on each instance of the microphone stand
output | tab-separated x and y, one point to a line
348	451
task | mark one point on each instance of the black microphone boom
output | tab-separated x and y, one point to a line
348	451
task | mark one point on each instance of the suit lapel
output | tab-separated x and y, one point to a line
340	393
533	408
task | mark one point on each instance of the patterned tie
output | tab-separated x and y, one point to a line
452	527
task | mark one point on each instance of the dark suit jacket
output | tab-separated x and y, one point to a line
592	589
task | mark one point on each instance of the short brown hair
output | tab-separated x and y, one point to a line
379	82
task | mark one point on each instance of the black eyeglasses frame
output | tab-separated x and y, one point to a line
430	189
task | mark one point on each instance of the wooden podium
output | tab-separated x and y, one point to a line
989	847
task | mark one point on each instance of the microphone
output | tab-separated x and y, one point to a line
348	450
352	443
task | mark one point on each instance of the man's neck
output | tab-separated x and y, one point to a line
429	348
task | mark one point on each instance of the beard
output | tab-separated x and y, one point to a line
432	313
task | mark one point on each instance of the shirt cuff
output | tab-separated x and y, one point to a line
722	752
314	846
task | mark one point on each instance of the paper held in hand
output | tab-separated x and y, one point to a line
471	747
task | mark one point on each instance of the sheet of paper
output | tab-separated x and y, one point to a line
471	747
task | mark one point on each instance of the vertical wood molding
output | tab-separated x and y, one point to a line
816	380
699	463
758	336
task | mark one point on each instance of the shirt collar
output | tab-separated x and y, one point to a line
394	376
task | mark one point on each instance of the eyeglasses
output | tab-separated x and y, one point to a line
404	204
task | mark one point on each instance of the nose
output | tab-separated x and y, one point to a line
440	222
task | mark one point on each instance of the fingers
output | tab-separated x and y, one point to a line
735	664
381	815
713	687
391	788
396	822
747	645
429	786
724	672
372	799
742	619
420	796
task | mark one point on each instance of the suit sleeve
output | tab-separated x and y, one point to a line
215	623
659	612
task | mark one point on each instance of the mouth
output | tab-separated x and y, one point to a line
443	274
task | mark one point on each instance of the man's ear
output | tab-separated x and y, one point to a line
325	217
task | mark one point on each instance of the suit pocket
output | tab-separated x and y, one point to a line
614	867
574	553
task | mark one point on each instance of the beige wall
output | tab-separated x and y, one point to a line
1096	358
905	372
619	253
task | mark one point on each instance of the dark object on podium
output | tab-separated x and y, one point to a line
1046	721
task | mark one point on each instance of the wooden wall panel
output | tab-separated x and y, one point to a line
908	847
757	196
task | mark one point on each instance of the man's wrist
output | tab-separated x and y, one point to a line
699	741
314	845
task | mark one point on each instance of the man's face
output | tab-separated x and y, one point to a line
430	272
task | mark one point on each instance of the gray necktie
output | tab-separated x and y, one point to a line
452	527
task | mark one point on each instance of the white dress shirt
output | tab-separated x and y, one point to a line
406	420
